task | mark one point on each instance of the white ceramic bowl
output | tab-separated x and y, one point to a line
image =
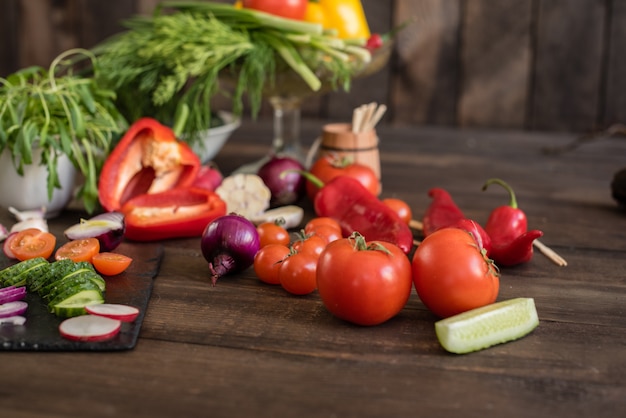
212	140
30	191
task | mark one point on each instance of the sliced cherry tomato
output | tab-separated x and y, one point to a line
272	233
291	9
297	273
451	274
31	243
400	207
78	250
366	283
267	262
111	264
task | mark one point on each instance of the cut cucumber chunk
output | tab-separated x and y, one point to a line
75	304
17	274
487	326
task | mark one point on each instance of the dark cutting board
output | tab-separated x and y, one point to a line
133	287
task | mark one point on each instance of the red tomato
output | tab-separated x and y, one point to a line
267	262
31	243
321	220
78	250
272	233
291	9
400	207
297	273
451	275
364	283
111	264
312	244
329	233
327	168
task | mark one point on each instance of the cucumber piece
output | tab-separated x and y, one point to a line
67	292
56	270
52	289
75	304
17	274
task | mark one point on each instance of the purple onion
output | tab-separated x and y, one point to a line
108	228
282	176
229	243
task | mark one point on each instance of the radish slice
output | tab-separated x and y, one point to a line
124	313
6	246
89	328
13	320
17	307
11	295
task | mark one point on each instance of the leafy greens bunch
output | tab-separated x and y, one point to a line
54	111
169	65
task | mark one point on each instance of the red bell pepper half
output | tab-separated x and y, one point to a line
148	159
175	213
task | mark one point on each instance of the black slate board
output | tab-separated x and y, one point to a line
133	287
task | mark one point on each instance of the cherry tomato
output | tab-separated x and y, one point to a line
272	233
400	207
321	220
328	167
327	232
31	243
110	264
78	250
364	283
451	275
291	9
267	262
297	273
312	244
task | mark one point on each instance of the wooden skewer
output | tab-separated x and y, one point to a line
550	253
377	116
543	248
368	113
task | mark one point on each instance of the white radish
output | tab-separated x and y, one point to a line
124	313
89	328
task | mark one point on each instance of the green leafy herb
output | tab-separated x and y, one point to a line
181	56
56	112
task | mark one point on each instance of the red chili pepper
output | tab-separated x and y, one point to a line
148	159
507	226
444	213
175	213
356	209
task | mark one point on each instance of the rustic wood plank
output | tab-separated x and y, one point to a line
615	99
97	20
8	34
568	65
424	88
495	63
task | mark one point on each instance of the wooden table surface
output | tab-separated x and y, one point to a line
244	348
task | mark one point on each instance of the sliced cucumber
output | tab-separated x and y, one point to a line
17	274
74	305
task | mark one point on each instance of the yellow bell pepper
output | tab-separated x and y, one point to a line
346	17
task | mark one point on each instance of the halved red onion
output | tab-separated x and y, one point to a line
11	294
17	307
107	227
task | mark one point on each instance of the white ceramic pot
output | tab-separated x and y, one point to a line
30	191
212	140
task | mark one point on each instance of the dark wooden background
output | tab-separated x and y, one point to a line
519	64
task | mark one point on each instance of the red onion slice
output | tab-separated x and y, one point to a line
17	307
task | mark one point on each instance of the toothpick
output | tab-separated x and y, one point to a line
550	253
